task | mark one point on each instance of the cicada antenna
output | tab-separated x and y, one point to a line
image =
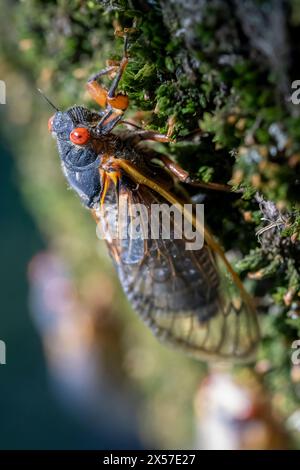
47	99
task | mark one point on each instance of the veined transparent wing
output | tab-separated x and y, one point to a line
190	299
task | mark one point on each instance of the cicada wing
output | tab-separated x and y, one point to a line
224	329
188	298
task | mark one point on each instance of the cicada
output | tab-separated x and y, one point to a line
192	299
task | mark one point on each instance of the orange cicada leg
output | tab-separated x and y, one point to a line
110	98
183	176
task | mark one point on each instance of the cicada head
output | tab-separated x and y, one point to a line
75	133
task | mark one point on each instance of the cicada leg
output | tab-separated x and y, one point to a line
97	91
183	176
141	135
110	98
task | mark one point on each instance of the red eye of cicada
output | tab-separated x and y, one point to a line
50	123
80	136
